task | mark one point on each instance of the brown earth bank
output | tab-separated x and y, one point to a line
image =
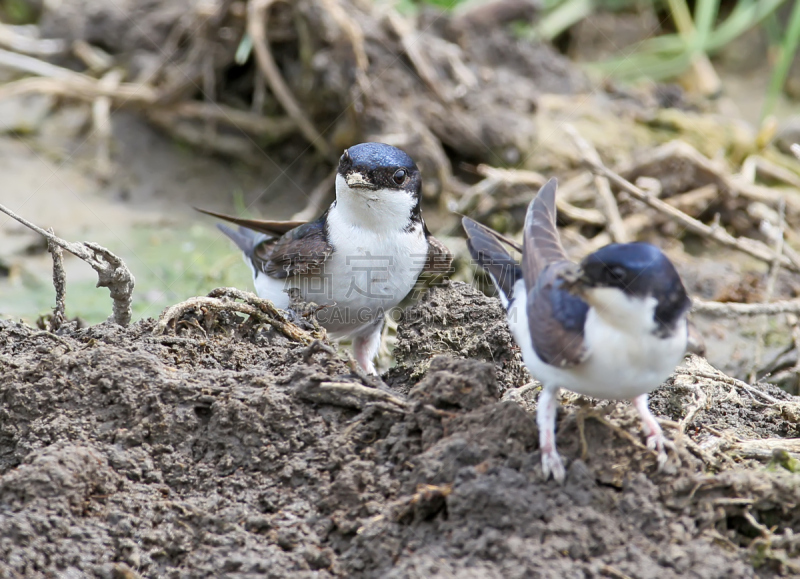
231	451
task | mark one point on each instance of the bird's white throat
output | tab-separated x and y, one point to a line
375	209
616	308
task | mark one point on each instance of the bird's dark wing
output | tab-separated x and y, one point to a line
556	319
486	248
274	228
541	243
439	260
300	251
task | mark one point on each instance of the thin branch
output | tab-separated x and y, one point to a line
720	377
615	226
59	282
111	270
743	244
317	198
257	15
413	50
25	39
770	289
101	119
735	310
258	308
351	395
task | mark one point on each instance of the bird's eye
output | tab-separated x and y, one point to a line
345	156
618	272
399	176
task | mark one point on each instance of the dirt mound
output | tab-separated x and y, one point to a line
124	454
460	321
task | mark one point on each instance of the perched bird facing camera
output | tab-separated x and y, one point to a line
612	327
360	258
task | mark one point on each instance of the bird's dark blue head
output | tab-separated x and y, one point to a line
638	270
377	166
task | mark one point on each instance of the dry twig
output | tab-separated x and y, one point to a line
317	199
258	308
25	39
615	226
257	15
351	395
746	245
59	282
735	310
769	290
111	270
414	52
699	368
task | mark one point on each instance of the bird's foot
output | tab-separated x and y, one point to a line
552	465
652	430
660	443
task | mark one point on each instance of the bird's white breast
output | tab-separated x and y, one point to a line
374	269
623	359
378	255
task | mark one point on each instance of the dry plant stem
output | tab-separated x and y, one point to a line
353	31
86	89
773	171
719	377
414	52
795	150
36	66
62	81
59	282
317	199
111	270
699	403
764	446
494	176
745	245
262	310
96	59
610	571
611	210
275	128
29	44
735	310
352	395
769	290
257	14
101	119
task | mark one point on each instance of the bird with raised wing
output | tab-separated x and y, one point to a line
360	258
613	326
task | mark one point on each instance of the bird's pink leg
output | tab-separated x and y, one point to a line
366	346
546	420
652	430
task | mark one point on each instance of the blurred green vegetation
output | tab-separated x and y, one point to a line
702	29
170	264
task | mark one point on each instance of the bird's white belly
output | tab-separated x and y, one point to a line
619	365
368	274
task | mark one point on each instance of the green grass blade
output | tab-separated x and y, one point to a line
562	17
787	53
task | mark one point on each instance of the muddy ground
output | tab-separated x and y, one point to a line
125	454
229	451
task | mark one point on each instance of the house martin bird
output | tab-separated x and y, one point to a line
612	327
360	258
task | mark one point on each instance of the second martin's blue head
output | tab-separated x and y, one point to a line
618	276
381	178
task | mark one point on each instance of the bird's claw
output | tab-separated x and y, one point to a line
660	443
552	465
